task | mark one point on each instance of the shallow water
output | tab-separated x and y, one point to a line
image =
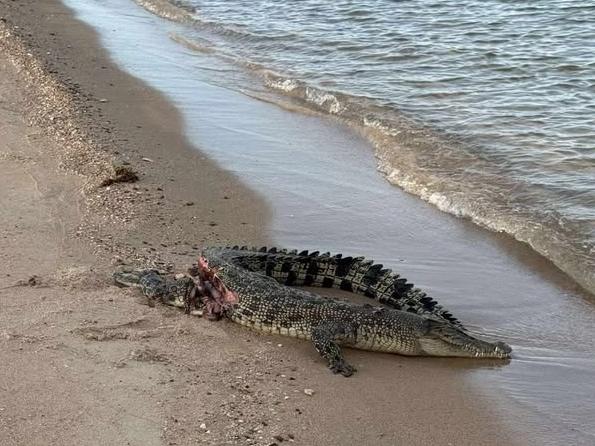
319	178
483	108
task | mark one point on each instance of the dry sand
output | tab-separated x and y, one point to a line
84	362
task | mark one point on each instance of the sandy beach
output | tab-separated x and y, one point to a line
84	362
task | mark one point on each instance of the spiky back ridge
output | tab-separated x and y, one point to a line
355	274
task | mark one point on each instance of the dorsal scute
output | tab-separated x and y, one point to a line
377	268
355	274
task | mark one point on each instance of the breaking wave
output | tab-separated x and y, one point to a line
167	10
440	170
441	167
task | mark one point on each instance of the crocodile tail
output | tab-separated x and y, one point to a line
355	274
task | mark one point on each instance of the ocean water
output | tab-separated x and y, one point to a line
485	108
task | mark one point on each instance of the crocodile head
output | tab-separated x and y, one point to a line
444	339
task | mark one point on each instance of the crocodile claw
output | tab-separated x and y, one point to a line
343	368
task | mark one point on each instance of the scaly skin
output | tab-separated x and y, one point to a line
355	274
270	307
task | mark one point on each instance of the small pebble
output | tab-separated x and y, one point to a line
309	392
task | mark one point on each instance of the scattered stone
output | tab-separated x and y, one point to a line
309	392
189	203
148	160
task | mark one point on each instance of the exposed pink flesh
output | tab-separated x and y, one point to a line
215	295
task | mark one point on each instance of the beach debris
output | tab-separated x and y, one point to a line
148	160
122	174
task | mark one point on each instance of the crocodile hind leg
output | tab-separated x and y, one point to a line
325	339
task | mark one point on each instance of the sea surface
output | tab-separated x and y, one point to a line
316	169
485	108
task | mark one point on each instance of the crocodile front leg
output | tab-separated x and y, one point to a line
325	338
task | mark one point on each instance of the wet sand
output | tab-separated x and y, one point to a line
83	362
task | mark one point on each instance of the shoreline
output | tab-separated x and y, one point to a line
408	154
101	132
128	121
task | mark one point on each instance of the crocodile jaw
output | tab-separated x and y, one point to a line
471	348
444	339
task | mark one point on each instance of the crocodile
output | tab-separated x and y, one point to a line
256	288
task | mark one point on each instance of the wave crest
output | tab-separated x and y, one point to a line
166	9
437	167
444	172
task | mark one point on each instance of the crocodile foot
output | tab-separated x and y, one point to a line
342	367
